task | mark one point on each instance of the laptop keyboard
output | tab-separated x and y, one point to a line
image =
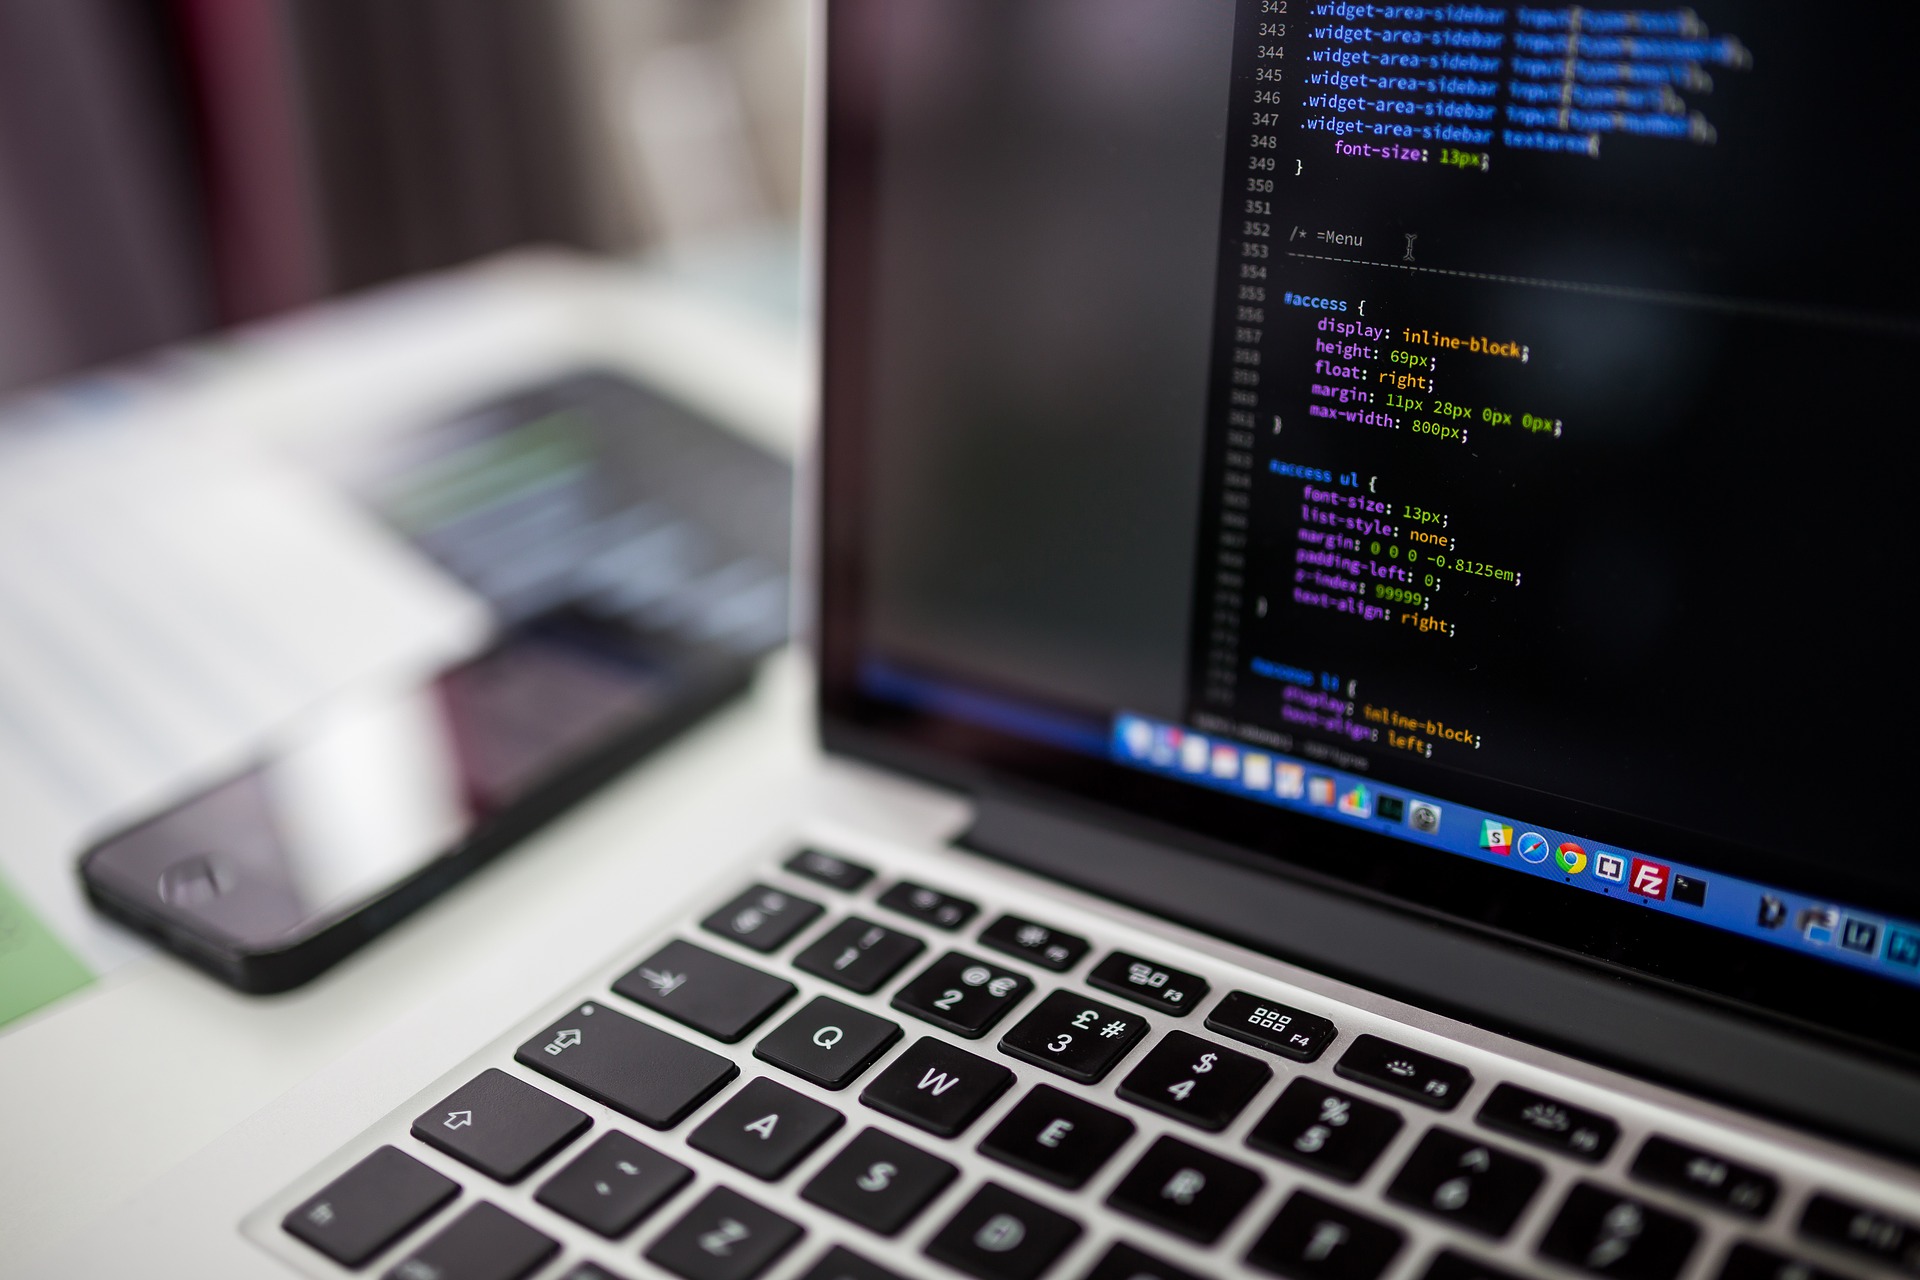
842	1075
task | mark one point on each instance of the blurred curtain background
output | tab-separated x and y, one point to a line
169	167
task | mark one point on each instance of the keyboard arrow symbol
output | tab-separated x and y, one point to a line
458	1119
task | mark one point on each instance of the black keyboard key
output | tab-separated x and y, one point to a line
879	1182
765	1129
500	1125
1706	1177
613	1184
936	1087
941	910
1868	1232
368	1207
1057	1137
1315	1239
1325	1130
1448	1265
1047	947
638	1070
1421	1077
1154	985
584	1270
484	1243
1180	1188
1195	1080
827	1042
1751	1262
1076	1037
1124	1262
1272	1026
710	993
1550	1123
1610	1234
829	869
724	1237
1002	1236
962	994
1465	1182
858	954
840	1263
763	918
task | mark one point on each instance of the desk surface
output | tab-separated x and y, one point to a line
111	1087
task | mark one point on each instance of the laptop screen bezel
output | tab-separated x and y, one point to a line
1806	994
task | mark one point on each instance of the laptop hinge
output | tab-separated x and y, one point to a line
1605	1017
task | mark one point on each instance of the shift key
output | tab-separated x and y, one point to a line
657	1078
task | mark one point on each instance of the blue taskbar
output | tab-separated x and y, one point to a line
1890	948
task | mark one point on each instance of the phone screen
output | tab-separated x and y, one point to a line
379	785
634	560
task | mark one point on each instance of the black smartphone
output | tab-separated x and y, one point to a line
634	559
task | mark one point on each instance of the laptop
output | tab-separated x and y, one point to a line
1358	643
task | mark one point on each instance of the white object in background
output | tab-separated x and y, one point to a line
166	604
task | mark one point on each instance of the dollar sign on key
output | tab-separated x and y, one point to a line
1206	1062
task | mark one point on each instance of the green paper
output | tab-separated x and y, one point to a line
35	966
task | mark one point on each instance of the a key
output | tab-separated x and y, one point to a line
763	918
500	1125
484	1243
1861	1229
829	869
367	1208
1180	1188
638	1070
998	1235
941	910
1550	1123
1144	982
1448	1265
1076	1037
1058	1137
936	1087
1040	944
962	995
1124	1262
1325	1130
1751	1262
1270	1025
841	1263
1195	1080
1420	1077
710	993
765	1129
1609	1234
724	1237
1466	1182
827	1042
879	1182
859	954
1315	1239
1706	1177
613	1184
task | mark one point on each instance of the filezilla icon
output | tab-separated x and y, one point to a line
1650	879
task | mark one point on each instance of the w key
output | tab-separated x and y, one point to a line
937	1087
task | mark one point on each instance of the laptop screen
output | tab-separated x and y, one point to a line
1456	450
